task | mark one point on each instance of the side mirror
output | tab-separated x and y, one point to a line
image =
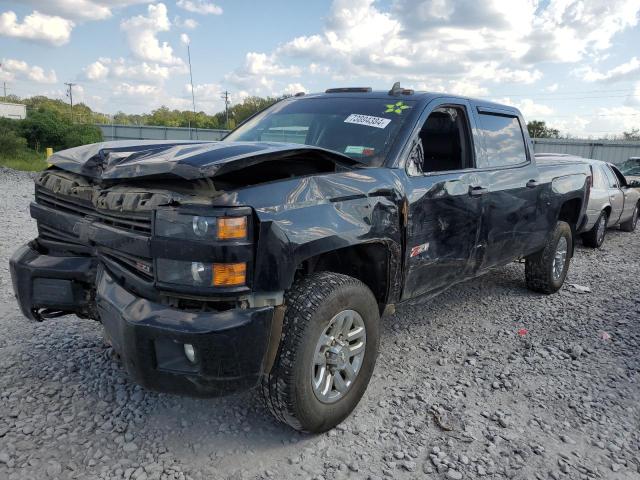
634	184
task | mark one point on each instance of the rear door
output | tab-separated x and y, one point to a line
513	223
616	195
444	199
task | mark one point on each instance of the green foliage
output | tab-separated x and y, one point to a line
10	142
51	128
25	159
165	117
539	129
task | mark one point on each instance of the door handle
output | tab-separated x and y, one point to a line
477	191
532	184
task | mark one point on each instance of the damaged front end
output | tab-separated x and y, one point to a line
141	249
179	251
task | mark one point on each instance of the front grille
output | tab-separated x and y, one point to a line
143	267
131	221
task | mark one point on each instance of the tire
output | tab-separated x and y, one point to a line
540	273
594	238
630	225
312	304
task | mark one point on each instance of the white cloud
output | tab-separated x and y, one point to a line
624	71
466	89
36	27
82	9
294	88
483	44
568	30
11	69
122	69
609	121
137	90
255	75
96	71
530	109
142	37
187	23
201	7
552	88
184	39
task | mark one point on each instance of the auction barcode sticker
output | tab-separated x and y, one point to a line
358	119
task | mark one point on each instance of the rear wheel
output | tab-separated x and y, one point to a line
630	225
327	352
546	270
594	238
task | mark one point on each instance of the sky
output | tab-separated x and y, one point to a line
574	64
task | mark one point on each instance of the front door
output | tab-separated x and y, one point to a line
444	200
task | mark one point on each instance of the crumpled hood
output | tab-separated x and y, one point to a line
186	159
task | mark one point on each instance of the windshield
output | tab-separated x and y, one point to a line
631	167
361	128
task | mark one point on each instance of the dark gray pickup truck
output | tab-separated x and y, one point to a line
267	259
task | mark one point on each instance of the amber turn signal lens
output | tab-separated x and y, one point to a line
232	227
229	274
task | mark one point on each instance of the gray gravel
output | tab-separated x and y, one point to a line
457	392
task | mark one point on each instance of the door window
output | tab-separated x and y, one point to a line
503	139
443	143
622	181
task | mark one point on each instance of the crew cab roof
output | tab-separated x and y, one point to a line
422	97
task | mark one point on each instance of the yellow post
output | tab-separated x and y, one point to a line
49	151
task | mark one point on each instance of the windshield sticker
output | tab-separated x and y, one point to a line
358	150
397	107
368	120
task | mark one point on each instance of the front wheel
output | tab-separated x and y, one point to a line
327	352
546	270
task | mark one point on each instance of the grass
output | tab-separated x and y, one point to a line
27	160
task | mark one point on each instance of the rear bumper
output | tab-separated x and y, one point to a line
232	348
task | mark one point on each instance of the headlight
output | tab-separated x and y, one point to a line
199	274
197	227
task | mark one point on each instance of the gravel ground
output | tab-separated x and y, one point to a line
459	391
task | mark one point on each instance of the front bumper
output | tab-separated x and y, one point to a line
233	348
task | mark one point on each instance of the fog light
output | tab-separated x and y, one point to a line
190	352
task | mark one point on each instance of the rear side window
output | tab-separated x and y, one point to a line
599	180
503	140
611	178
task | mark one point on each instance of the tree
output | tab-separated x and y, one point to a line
633	134
539	129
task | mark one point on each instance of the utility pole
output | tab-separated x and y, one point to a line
193	95
225	97
70	94
4	84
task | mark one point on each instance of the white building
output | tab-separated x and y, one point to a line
13	110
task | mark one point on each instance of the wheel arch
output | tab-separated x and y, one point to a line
374	263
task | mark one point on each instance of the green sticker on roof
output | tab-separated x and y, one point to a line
397	107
